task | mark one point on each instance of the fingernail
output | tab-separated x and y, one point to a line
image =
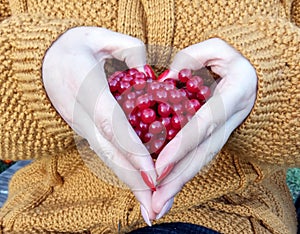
165	208
165	172
149	72
145	215
148	180
163	75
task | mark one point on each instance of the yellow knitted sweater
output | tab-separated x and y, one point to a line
67	189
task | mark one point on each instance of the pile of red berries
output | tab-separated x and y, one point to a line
158	109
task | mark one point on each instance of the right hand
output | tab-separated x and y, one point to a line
75	81
202	138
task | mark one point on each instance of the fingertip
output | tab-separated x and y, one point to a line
166	208
162	202
183	60
145	215
135	57
140	68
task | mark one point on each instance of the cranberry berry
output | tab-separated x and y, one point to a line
157	108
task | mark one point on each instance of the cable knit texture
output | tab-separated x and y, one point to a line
67	189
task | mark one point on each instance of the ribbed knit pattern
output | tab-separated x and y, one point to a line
68	189
130	19
29	127
4	10
272	131
160	30
296	12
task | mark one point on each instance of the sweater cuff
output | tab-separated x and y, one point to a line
30	126
271	131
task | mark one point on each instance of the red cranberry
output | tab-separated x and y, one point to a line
148	115
144	127
130	96
133	119
147	137
127	78
132	72
178	109
156	127
199	79
153	87
171	81
123	85
164	109
140	75
175	96
178	121
138	83
204	93
143	101
160	95
128	106
171	133
158	110
191	106
184	75
113	85
157	145
166	121
193	85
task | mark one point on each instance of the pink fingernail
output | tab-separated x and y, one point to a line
165	208
149	72
165	172
145	215
163	75
148	180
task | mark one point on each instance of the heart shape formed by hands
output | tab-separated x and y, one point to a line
157	108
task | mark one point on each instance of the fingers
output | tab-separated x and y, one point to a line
89	85
105	43
191	164
111	121
235	92
108	153
77	86
115	160
79	79
145	199
209	118
213	52
185	169
102	108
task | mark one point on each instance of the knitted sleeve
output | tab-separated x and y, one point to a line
29	125
271	131
4	9
296	12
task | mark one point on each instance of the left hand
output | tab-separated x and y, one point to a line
75	81
207	132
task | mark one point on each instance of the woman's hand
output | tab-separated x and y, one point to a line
74	79
207	132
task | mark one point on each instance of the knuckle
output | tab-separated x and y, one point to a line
130	157
105	127
211	128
